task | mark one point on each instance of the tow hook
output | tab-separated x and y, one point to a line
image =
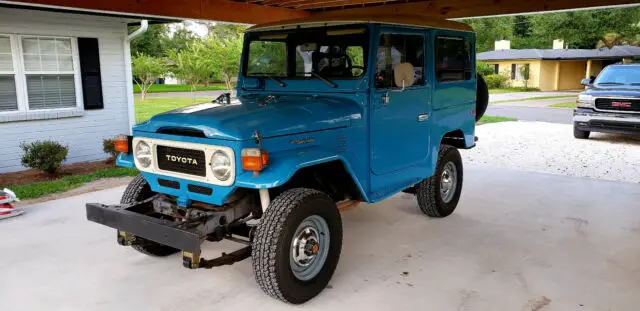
125	238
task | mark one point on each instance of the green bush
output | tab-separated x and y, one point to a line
495	81
109	147
484	69
46	156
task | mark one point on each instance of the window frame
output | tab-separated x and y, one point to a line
422	35
466	40
517	74
20	75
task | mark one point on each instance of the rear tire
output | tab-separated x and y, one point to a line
139	190
297	245
580	134
439	194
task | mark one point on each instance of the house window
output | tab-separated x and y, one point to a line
496	69
516	71
38	74
453	59
8	95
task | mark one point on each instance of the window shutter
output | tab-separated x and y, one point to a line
90	73
513	71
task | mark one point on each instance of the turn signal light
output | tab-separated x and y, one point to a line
121	143
254	159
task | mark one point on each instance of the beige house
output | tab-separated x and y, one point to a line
554	69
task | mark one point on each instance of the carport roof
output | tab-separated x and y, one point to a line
565	54
407	20
267	11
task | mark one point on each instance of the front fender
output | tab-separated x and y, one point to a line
285	164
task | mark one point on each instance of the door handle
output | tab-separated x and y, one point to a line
385	98
423	117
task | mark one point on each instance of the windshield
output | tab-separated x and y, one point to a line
318	53
619	75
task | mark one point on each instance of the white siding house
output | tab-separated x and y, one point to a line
49	90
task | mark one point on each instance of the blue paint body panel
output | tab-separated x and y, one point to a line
385	147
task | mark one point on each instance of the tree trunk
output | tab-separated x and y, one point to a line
193	94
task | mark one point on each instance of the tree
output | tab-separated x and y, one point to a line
179	38
484	69
152	42
226	57
194	65
489	30
227	31
146	70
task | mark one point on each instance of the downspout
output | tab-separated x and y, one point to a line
144	25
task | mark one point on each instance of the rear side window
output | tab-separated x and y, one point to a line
404	50
453	59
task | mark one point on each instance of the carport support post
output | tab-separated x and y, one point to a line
588	73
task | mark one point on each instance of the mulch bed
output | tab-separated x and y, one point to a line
30	176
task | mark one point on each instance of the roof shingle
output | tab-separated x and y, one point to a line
603	53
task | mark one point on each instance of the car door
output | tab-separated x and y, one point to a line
400	114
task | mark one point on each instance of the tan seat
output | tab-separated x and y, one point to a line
403	73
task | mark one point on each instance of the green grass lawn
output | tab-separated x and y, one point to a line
534	98
38	189
164	88
513	90
152	106
494	119
571	104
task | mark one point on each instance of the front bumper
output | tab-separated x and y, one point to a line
585	119
127	218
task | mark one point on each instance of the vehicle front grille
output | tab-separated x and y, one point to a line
185	161
622	105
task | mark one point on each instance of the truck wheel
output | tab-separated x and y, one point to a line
138	190
297	245
438	195
580	134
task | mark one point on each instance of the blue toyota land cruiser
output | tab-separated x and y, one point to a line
328	113
610	104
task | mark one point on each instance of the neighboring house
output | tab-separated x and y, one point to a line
64	77
554	69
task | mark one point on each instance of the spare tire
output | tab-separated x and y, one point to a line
482	98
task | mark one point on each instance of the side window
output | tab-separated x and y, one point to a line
453	59
356	54
400	56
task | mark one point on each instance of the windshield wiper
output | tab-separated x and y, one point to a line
611	83
272	78
634	83
325	80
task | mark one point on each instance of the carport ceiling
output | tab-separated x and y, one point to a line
261	11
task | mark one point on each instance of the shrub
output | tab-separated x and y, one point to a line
484	69
109	147
495	81
46	156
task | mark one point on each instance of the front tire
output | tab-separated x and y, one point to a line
439	194
297	245
580	134
139	190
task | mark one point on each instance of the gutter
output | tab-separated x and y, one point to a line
144	25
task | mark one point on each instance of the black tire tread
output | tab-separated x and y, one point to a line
138	190
580	134
427	190
268	236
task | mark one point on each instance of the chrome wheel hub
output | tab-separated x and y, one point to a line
309	247
448	182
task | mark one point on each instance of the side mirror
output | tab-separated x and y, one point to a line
586	82
224	99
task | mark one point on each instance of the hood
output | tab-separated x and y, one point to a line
271	116
613	91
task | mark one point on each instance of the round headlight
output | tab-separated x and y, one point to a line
142	153
221	165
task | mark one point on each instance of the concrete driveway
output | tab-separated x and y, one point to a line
518	241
